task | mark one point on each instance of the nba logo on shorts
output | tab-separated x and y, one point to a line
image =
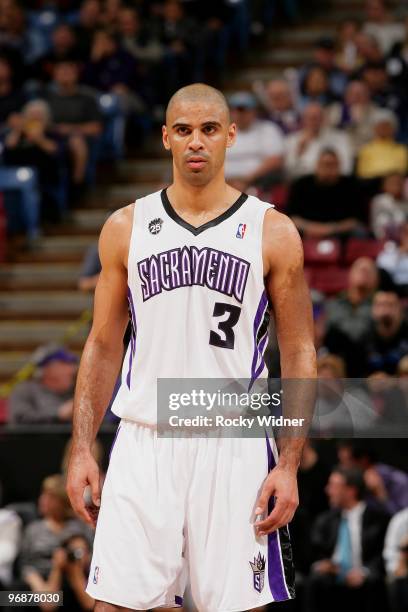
241	230
96	574
258	568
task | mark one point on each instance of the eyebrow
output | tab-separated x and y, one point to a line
180	124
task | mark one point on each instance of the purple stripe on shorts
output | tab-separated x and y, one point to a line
259	315
178	600
275	566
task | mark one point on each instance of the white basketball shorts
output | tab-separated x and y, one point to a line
178	509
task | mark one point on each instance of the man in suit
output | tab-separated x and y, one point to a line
348	542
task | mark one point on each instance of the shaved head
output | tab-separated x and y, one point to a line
197	93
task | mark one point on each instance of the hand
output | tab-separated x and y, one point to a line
59	559
83	471
64	129
355	577
280	483
325	566
65	410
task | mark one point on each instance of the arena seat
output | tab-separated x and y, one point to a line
362	247
321	252
328	280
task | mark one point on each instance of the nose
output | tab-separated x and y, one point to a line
195	143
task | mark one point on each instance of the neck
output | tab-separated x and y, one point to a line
350	504
194	198
66	90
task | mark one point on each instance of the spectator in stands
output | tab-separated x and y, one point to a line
354	114
347	58
349	315
387	341
324	204
341	410
90	270
15	34
257	155
69	572
109	67
380	24
138	41
64	48
394	260
387	487
178	34
280	107
348	541
397	532
302	148
396	560
42	537
12	99
389	209
48	398
369	52
316	88
76	116
383	155
10	535
88	22
324	56
383	93
32	142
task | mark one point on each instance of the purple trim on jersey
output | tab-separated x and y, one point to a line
178	600
258	348
132	335
114	441
275	564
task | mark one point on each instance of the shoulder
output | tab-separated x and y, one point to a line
115	235
281	242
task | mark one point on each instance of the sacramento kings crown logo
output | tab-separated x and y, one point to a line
155	225
258	568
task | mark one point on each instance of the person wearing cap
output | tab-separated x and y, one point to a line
47	398
258	151
383	155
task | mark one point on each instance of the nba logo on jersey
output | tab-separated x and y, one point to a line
258	568
241	230
96	575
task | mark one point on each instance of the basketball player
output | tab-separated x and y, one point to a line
199	265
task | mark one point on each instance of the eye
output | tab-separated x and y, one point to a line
209	129
182	130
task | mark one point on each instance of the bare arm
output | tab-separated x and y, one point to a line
316	229
287	289
101	359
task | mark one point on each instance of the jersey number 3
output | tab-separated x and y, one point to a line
227	338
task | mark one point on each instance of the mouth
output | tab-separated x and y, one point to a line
196	163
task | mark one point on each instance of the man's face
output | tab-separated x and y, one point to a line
279	96
336	490
384	130
357	93
363	274
66	74
387	309
328	169
197	134
243	116
128	22
59	376
63	38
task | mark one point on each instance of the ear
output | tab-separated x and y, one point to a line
165	138
232	135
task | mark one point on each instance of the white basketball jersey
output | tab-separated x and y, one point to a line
197	300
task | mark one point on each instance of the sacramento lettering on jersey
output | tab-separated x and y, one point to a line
187	266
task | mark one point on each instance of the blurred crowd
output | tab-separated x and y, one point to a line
80	80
